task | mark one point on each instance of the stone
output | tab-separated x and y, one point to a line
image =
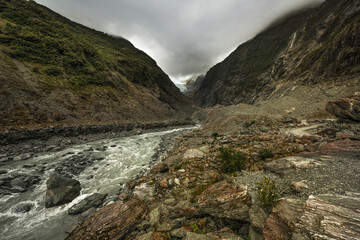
114	221
257	217
61	190
194	236
144	191
93	201
170	201
254	235
23	208
22	157
83	216
224	233
193	153
179	232
163	183
160	236
330	216
299	186
284	165
347	109
160	168
177	181
154	216
275	229
224	200
288	210
146	236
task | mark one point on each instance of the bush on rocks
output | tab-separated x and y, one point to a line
267	193
231	160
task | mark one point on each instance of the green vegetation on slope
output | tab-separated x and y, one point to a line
55	46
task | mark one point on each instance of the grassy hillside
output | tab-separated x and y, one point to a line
41	51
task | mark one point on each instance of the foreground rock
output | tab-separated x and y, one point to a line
114	221
92	201
345	108
224	200
61	190
325	216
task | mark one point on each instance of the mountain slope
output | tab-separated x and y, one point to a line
55	70
313	46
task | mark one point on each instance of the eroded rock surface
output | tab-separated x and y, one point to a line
345	108
111	222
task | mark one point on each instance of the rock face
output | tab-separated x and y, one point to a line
347	109
324	216
310	47
92	201
61	190
224	200
111	222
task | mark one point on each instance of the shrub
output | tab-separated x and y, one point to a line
215	135
178	166
52	71
265	153
195	228
231	160
267	193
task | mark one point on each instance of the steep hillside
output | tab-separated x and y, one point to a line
318	46
55	70
192	85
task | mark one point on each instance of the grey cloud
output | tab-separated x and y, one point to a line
183	36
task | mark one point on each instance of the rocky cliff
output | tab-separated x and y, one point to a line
54	70
317	46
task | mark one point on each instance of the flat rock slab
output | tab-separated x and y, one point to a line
225	200
331	217
114	221
284	165
92	201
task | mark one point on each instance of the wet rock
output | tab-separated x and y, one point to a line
29	165
114	221
25	181
224	200
22	157
17	189
61	190
93	201
23	208
347	109
144	191
3	172
83	216
160	168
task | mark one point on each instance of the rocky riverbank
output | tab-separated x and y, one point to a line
188	195
31	141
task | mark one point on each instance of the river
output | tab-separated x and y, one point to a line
123	159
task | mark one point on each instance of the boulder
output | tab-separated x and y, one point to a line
284	165
193	153
224	200
93	201
114	221
61	190
160	168
347	109
330	216
23	208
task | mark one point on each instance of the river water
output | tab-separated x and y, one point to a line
124	158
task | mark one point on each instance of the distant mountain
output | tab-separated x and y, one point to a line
181	86
55	70
192	85
314	46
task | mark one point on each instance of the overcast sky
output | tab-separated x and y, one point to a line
185	37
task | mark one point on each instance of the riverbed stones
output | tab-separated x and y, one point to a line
224	200
193	153
144	191
114	221
93	201
61	190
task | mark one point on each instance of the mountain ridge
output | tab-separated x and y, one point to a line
300	49
55	70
